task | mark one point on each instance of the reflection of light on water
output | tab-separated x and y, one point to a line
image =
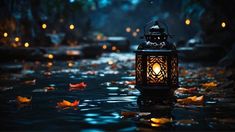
112	88
93	118
91	114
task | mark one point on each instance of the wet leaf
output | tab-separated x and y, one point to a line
186	90
49	88
161	120
21	99
130	82
30	82
127	114
65	103
77	86
194	100
210	84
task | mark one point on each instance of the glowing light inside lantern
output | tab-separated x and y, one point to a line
104	46
5	34
223	24
187	21
71	26
26	44
156	68
44	26
128	29
17	39
50	56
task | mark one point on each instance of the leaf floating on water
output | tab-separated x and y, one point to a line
186	90
210	84
49	88
194	100
161	120
30	82
21	99
77	86
66	104
126	114
130	82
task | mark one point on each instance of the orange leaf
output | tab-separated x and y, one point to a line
49	88
77	86
65	103
192	100
160	120
21	99
130	82
210	84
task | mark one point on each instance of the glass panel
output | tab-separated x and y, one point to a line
156	70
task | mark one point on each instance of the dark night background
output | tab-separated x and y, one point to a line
52	43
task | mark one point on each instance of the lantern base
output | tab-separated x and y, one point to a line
157	90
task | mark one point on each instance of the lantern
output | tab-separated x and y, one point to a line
156	62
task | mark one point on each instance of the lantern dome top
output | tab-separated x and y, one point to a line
156	38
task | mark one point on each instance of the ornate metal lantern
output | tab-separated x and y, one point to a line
156	62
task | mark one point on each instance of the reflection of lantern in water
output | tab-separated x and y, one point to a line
156	61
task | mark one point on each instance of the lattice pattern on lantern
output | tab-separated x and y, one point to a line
174	74
161	75
139	69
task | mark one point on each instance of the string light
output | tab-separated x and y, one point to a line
134	34
71	26
187	21
223	24
114	48
26	44
44	26
50	56
128	29
5	34
137	30
104	46
17	39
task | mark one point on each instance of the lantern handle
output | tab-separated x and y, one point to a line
171	36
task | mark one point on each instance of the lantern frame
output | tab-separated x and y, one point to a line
166	57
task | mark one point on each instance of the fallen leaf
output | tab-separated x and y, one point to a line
65	103
161	120
21	99
77	86
191	100
49	88
185	90
127	114
130	82
30	82
210	84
